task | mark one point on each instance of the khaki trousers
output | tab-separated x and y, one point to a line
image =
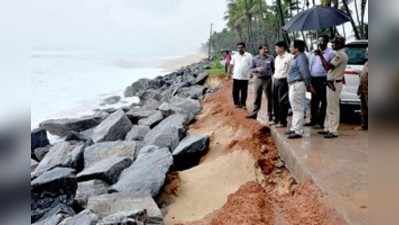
297	96
331	122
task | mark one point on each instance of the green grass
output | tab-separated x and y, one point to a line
217	69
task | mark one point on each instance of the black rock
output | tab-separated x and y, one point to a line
201	78
113	128
63	154
194	92
152	120
33	165
185	106
107	169
110	204
86	217
150	94
137	133
79	137
168	133
56	215
104	150
38	139
54	187
141	85
62	127
88	189
147	174
136	114
189	151
41	152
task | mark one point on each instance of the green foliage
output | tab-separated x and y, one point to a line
217	69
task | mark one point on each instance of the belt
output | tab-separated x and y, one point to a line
339	81
295	81
336	81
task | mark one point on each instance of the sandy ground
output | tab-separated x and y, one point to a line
178	62
241	180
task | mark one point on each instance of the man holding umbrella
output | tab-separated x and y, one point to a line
318	103
335	80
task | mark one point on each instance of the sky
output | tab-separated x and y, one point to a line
161	27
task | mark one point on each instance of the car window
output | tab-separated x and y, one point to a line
357	55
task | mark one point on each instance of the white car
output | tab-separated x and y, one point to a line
357	53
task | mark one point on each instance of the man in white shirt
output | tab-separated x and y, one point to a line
280	85
240	68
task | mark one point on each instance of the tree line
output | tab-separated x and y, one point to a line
259	22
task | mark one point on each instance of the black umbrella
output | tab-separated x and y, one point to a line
317	18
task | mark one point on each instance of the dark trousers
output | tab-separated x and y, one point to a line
365	110
240	92
280	100
318	103
263	85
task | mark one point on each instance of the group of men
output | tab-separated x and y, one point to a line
286	78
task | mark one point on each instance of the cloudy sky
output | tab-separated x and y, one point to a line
165	27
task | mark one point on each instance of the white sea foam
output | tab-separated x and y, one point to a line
74	84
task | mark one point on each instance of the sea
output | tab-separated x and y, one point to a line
69	84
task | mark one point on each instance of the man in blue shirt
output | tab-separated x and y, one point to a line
298	82
318	103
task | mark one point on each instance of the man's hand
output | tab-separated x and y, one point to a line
311	89
318	52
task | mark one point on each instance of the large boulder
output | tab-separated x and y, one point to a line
137	217
88	189
110	204
55	187
194	92
40	152
168	133
107	169
33	165
62	127
189	151
86	217
201	78
38	139
147	174
113	128
137	133
185	106
152	120
63	154
141	85
56	215
79	137
104	150
136	114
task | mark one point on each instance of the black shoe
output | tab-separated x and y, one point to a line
294	136
323	132
318	127
289	132
309	124
330	136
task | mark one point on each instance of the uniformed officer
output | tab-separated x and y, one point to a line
335	80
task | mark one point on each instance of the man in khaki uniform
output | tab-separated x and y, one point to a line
335	80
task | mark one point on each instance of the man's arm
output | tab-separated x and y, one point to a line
230	70
305	72
327	65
